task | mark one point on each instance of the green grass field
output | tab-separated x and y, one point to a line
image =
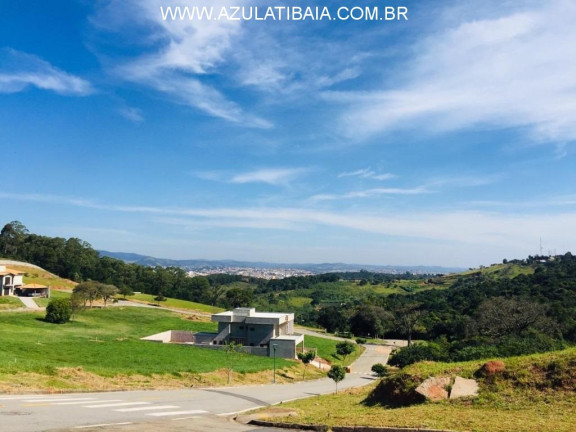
326	348
106	342
175	303
7	303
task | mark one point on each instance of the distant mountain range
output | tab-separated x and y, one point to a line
200	264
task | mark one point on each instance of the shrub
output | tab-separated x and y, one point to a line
380	370
58	311
415	353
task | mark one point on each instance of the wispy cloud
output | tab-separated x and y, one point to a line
368	193
516	70
367	173
272	176
514	231
132	114
19	71
490	229
180	55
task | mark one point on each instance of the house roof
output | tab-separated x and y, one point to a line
249	315
33	286
10	271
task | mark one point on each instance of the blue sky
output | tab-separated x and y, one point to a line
447	139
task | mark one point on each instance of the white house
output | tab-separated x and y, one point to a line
10	280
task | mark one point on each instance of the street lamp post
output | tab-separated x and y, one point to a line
274	346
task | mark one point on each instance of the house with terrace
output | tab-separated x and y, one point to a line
10	280
12	284
260	333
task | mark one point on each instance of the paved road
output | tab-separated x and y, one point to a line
174	408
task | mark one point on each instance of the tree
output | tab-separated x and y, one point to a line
12	236
159	298
107	292
498	317
306	358
88	291
406	319
232	350
125	290
337	373
239	297
58	311
345	348
380	370
370	320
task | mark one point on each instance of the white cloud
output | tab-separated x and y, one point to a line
510	234
516	70
367	173
19	71
132	114
370	193
273	176
181	53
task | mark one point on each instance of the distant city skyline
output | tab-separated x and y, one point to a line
446	139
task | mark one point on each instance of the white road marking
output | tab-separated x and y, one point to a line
53	400
103	424
163	414
108	405
77	401
147	408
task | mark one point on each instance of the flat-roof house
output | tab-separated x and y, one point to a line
271	330
260	333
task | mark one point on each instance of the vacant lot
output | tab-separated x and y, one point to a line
101	349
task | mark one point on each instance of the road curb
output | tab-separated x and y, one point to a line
325	428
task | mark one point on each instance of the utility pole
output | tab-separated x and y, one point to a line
274	346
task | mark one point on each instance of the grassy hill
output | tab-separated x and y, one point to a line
535	393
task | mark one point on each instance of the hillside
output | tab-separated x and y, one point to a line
534	393
34	274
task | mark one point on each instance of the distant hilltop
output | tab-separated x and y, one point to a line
202	265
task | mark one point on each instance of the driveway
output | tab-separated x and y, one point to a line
29	303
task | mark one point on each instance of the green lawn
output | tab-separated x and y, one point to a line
326	348
43	302
10	303
175	303
106	342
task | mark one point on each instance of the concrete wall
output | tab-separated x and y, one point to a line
284	348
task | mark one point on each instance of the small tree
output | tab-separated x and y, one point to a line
337	373
380	370
107	292
125	290
159	298
345	348
89	291
58	311
233	349
306	358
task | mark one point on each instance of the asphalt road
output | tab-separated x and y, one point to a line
173	410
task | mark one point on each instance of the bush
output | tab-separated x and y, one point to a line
58	311
380	370
415	353
360	341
